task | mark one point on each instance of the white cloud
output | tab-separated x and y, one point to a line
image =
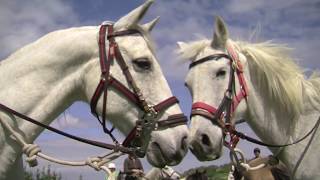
295	23
24	21
67	120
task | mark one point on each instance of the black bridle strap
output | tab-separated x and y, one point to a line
209	58
256	141
83	140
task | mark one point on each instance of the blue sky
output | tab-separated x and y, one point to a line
295	23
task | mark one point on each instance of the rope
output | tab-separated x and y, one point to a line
33	151
247	167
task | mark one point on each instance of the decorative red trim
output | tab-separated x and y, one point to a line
204	106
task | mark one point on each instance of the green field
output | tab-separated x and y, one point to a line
213	172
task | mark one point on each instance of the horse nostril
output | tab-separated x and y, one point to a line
184	143
205	139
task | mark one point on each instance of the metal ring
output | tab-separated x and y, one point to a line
233	153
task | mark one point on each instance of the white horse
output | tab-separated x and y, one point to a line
45	77
281	107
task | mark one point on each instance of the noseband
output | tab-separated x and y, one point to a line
223	114
136	97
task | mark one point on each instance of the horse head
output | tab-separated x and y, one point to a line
210	81
138	71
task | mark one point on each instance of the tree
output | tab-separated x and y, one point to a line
46	173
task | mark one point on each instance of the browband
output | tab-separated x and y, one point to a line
208	58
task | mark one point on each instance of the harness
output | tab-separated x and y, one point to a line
222	116
133	143
146	123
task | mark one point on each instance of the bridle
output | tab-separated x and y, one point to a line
146	123
222	116
133	143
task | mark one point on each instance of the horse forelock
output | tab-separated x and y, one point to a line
192	49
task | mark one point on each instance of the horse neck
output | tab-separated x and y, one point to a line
263	119
44	78
274	127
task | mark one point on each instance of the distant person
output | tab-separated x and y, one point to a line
112	174
256	152
133	168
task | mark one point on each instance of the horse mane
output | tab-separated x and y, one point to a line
278	75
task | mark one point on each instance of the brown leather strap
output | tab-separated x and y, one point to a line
173	120
130	137
166	103
122	33
124	90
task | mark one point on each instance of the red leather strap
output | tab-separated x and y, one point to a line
204	106
102	50
124	90
96	96
130	137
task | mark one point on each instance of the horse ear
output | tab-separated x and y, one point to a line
149	26
132	18
181	44
220	35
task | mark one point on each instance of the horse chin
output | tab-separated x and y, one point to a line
158	159
204	155
208	157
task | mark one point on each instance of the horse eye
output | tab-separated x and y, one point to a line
142	64
221	73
